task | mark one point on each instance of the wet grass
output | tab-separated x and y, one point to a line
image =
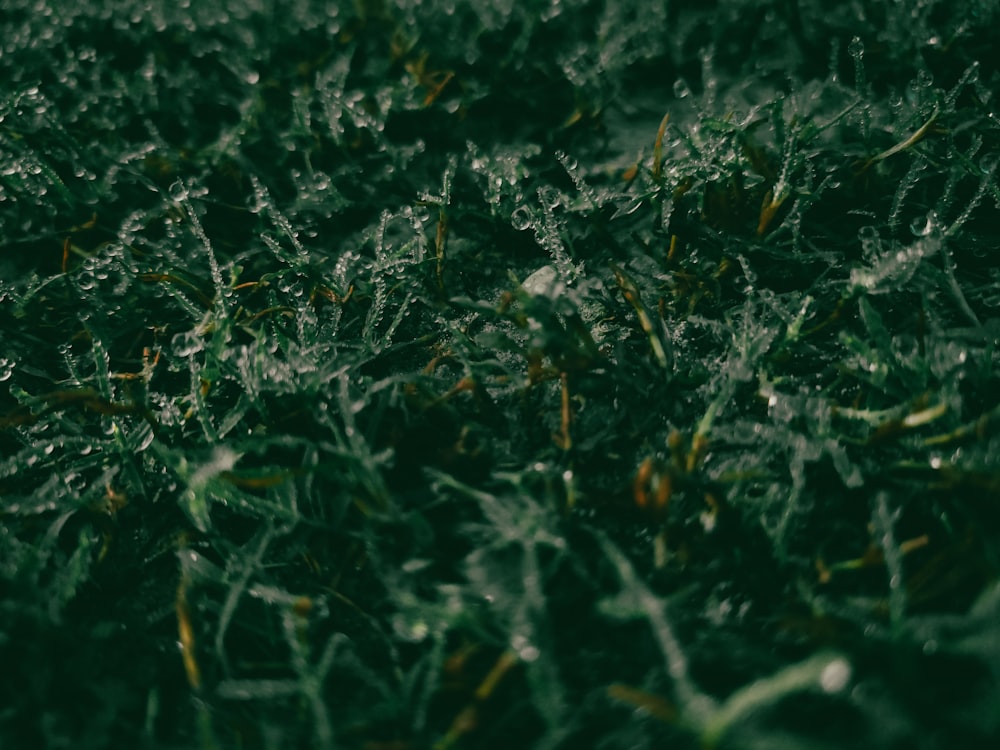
434	375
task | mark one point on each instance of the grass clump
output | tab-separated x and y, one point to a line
400	375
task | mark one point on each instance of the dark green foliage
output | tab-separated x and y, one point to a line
393	375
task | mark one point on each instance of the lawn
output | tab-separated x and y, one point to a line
402	375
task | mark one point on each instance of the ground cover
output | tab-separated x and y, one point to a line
410	374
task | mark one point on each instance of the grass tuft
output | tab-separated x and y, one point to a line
399	375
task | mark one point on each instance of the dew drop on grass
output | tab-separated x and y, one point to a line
871	245
187	343
525	650
835	676
178	191
287	283
923	226
568	162
856	48
521	218
550	198
6	369
541	281
666	211
86	280
920	87
413	630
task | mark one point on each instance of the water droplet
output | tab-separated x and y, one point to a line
856	48
85	280
921	227
569	163
871	244
521	218
920	86
681	89
290	284
412	630
6	369
835	676
541	281
178	191
187	343
524	648
550	198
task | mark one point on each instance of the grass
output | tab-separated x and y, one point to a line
433	375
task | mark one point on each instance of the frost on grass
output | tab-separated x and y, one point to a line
465	375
